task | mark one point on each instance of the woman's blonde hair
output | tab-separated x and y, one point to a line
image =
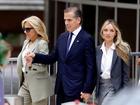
38	25
122	48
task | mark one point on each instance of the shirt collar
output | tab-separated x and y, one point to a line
112	46
75	32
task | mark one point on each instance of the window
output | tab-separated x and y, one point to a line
89	18
127	23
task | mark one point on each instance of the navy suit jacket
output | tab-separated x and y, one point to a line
76	70
119	71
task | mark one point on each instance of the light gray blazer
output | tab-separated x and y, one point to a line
40	86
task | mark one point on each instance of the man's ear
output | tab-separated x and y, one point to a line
79	19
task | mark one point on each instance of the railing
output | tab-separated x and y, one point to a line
10	77
135	67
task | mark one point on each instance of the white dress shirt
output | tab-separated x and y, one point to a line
106	61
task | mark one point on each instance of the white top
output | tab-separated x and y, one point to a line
29	48
106	62
75	33
23	58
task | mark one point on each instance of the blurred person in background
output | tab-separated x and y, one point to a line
127	96
138	60
5	53
35	83
112	62
6	102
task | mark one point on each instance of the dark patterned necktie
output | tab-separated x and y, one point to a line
69	41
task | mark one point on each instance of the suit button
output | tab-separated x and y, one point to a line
26	72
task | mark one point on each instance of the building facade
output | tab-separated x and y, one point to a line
95	12
12	12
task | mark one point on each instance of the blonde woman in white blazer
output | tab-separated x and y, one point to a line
35	84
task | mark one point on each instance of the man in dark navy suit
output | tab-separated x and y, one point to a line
75	53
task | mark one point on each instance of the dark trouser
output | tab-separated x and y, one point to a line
62	97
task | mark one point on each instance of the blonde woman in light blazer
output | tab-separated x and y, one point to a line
35	84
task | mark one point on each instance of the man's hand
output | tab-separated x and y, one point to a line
29	58
85	96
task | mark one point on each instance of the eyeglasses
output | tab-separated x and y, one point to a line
27	30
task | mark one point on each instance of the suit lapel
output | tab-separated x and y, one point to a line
98	59
64	45
35	45
114	59
25	44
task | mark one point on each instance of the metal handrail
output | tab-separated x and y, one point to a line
12	59
135	53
